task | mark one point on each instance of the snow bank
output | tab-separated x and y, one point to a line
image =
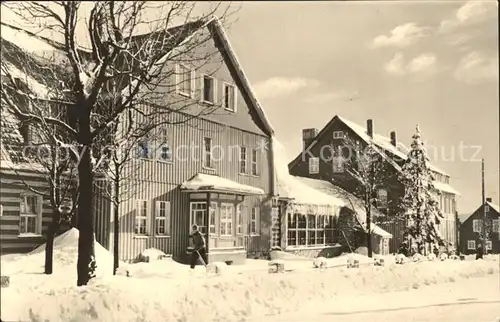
228	297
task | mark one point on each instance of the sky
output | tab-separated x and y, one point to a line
399	63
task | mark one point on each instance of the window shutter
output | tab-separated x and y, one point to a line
167	218
257	224
177	78
235	98
202	87
39	221
214	84
156	215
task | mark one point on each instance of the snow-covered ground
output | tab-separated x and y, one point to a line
164	290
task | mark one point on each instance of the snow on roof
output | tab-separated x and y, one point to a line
202	181
464	217
28	42
39	89
384	142
445	187
289	186
494	206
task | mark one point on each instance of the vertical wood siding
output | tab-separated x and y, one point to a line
11	188
154	180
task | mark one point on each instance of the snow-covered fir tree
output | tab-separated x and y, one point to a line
422	208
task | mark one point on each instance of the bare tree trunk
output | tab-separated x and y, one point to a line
369	231
49	246
116	214
86	264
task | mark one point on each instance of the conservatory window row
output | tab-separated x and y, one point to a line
310	230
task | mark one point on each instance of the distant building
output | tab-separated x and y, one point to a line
471	229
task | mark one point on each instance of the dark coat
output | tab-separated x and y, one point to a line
198	240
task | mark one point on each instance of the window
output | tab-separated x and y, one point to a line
486	208
338	164
254	162
488	245
313	165
143	149
226	220
243	160
185	77
141	218
338	134
239	220
30	219
255	221
163	152
477	225
310	230
382	198
162	219
208	89
229	97
197	216
207	153
212	217
471	244
495	225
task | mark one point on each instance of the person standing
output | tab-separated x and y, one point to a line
199	247
479	251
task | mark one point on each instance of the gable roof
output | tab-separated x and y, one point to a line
464	217
381	142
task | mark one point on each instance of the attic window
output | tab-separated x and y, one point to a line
486	208
229	97
26	132
338	135
208	89
185	77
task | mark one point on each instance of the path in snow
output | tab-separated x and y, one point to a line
476	299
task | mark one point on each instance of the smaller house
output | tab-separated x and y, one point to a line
471	229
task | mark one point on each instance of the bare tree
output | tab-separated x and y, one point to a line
372	170
136	68
44	149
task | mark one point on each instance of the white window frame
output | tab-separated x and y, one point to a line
163	142
383	203
226	220
24	215
234	98
194	208
148	146
255	221
489	245
192	82
313	165
338	164
139	203
208	153
239	221
338	134
471	244
214	89
254	169
486	208
477	225
243	158
212	219
167	218
495	225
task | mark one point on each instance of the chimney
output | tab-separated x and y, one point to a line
393	138
369	127
488	200
308	136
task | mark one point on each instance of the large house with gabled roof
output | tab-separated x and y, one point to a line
310	164
215	170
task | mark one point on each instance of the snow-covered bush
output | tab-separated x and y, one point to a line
400	259
417	258
150	255
320	262
431	257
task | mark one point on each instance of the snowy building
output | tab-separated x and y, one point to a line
212	170
314	216
471	228
315	162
